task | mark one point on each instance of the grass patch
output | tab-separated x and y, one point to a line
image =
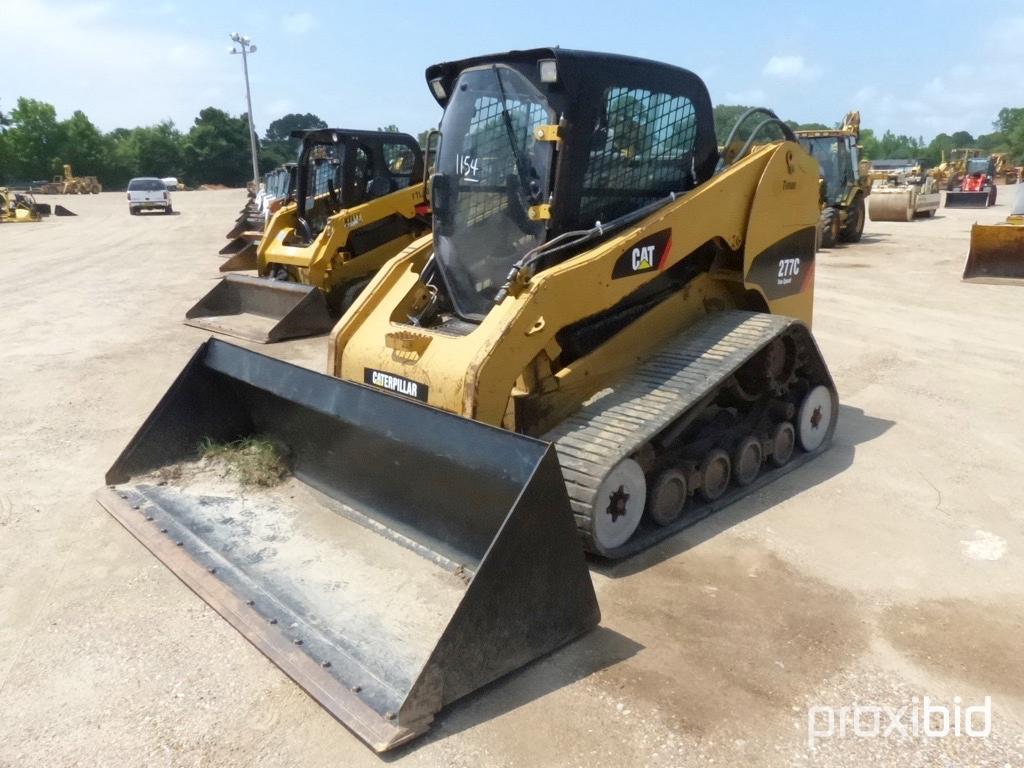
256	461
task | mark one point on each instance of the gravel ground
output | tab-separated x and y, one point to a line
888	570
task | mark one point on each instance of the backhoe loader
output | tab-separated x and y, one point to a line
359	200
844	181
605	338
997	250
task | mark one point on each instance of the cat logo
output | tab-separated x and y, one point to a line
643	258
353	221
649	254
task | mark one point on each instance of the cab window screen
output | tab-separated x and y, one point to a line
400	161
641	150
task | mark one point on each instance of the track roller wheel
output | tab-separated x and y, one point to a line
746	460
618	505
668	496
715	472
783	442
814	418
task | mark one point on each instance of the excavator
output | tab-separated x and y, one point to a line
605	338
360	198
996	254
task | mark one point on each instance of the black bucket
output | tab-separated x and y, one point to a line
956	199
415	556
261	309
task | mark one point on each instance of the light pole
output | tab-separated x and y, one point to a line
245	47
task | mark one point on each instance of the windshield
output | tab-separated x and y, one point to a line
831	155
977	165
490	171
146	185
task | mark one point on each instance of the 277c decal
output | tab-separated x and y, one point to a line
647	255
788	269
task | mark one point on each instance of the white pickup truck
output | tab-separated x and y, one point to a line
147	194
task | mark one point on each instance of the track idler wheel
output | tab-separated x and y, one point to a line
747	458
814	419
668	496
715	473
619	504
783	443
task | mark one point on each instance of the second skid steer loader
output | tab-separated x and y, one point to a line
606	338
359	199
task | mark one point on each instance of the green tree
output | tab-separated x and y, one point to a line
159	148
725	116
82	145
34	140
278	145
963	139
216	150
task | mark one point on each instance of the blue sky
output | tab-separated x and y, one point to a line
361	64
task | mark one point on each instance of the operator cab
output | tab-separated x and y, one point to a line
541	147
340	168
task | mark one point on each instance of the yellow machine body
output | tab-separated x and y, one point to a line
762	200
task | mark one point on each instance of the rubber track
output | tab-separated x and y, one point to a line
639	406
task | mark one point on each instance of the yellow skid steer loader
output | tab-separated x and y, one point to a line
360	198
605	339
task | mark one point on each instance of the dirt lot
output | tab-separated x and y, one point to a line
890	568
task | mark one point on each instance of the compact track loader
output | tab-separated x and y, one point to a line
20	207
901	191
360	199
977	189
605	338
278	186
997	250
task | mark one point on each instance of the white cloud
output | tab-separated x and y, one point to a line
790	67
298	23
955	96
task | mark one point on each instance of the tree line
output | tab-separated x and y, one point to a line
34	144
1007	136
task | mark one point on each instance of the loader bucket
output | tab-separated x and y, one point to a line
412	557
243	241
261	309
241	261
996	254
244	224
956	199
60	210
42	209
